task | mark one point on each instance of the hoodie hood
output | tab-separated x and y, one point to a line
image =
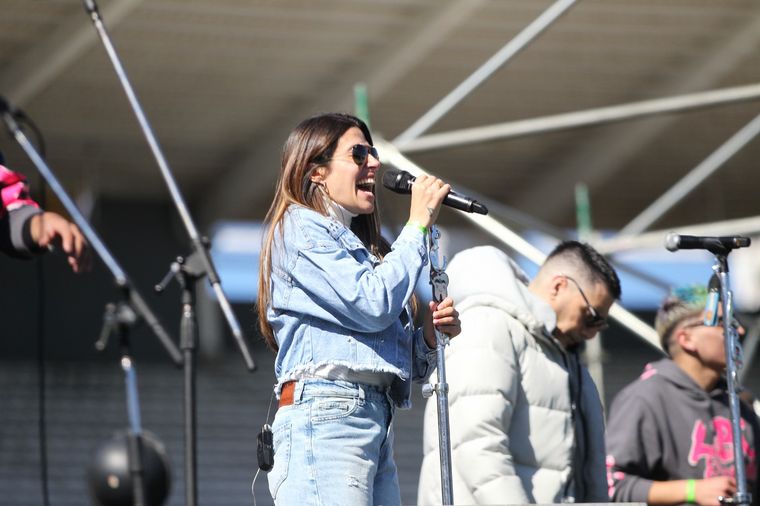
485	275
668	371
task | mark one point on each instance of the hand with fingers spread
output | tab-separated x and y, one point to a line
428	193
49	229
24	228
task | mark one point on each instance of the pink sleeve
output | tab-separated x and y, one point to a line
14	191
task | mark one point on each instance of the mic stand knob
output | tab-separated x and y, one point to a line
116	318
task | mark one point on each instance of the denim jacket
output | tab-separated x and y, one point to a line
333	302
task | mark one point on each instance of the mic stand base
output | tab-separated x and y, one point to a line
118	318
135	452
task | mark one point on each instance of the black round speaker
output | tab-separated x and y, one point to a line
110	481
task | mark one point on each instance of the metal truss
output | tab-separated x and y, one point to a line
632	236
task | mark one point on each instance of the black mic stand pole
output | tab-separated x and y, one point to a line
199	251
187	272
118	318
197	241
734	361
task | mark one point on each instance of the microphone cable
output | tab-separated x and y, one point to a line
40	327
24	120
41	376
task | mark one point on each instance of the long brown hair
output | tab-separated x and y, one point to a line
309	146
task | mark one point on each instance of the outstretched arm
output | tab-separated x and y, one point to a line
704	492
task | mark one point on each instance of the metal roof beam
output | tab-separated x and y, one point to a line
391	155
589	117
32	72
235	192
498	60
597	161
656	238
694	178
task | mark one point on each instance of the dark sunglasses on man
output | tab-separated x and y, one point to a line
592	319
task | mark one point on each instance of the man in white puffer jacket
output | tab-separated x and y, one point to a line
526	422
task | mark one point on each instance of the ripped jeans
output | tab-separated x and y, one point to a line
334	446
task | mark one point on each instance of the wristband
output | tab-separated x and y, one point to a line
416	225
26	236
691	491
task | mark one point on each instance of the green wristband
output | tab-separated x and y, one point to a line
691	491
416	225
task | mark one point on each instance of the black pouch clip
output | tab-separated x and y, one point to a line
265	448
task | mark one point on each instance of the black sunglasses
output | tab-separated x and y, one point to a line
359	154
592	319
718	323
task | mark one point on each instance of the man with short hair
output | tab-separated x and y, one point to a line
526	422
669	437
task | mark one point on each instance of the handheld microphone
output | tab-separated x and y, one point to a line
400	181
716	245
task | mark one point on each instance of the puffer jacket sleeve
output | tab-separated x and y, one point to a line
483	377
633	448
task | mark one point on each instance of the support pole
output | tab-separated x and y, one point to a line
577	119
693	179
593	349
391	155
514	46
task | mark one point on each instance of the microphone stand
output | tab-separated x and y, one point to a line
734	362
187	272
203	264
119	317
439	282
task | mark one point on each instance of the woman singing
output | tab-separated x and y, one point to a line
336	303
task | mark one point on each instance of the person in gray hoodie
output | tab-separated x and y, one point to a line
526	421
669	434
